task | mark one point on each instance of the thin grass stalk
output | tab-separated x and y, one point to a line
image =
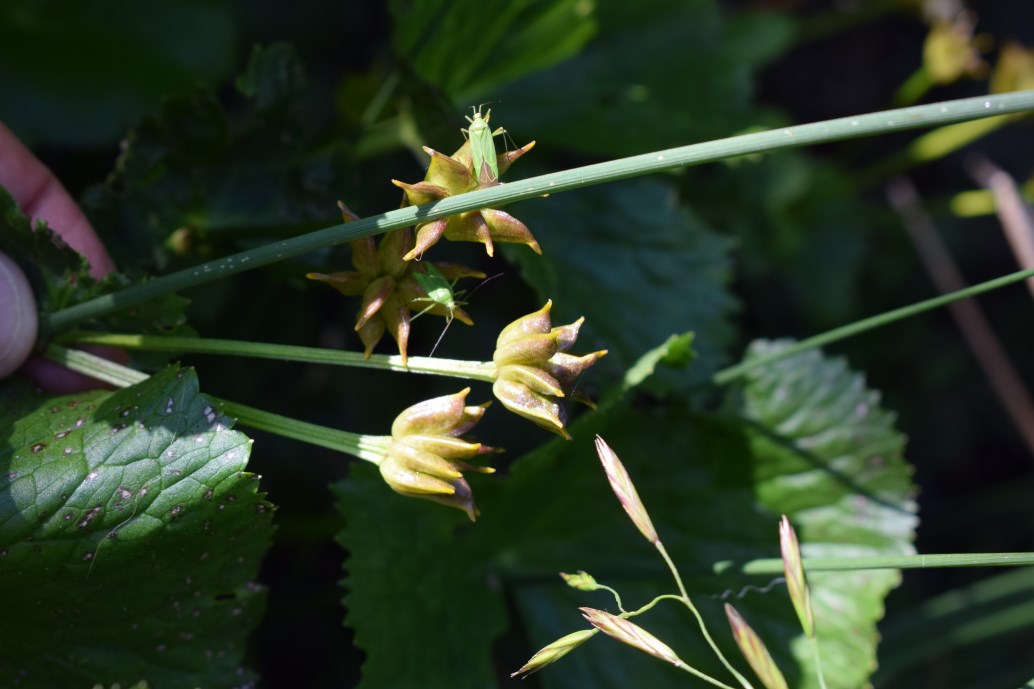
858	126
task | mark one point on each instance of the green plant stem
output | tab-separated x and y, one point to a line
122	376
699	618
455	368
366	447
617	597
648	606
932	114
731	373
94	366
688	668
818	661
842	564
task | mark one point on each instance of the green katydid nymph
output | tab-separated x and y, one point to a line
482	147
440	295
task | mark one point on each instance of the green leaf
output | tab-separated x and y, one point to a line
660	74
466	47
645	266
714	487
273	78
803	233
130	537
58	274
421	613
79	75
194	182
829	457
676	351
60	278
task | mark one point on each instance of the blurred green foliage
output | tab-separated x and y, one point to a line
786	245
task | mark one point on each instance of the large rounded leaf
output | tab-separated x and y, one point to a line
130	537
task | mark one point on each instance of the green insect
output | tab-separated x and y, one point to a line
441	294
482	147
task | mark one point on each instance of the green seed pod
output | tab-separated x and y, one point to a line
533	372
423	457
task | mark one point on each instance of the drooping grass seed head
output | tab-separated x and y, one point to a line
554	652
627	632
755	651
796	582
624	489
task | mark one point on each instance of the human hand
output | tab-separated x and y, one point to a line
40	195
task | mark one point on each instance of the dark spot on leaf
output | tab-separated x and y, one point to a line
39	447
69	516
61	434
118	427
88	555
207	496
90	515
176	511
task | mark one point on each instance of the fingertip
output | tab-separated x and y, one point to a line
19	321
42	196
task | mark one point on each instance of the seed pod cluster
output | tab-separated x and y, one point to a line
388	287
534	373
426	455
452	175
